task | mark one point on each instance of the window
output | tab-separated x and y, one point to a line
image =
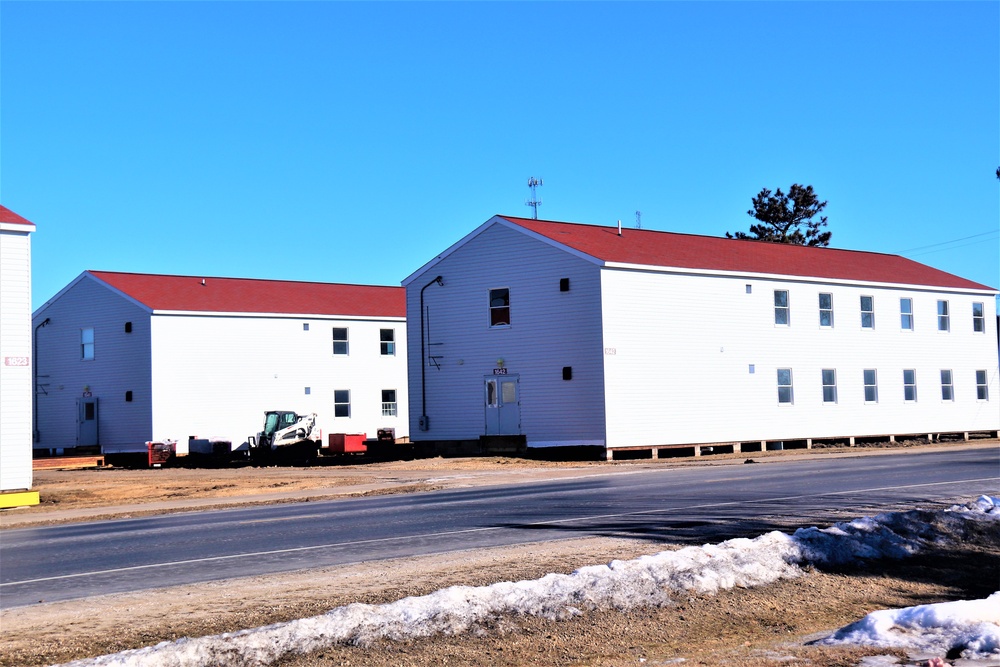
871	386
341	402
388	402
339	340
867	312
943	320
978	320
781	310
784	385
982	387
305	326
825	310
87	344
500	307
128	327
387	342
947	387
308	391
909	385
906	314
829	385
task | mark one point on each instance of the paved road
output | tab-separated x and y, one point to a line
697	505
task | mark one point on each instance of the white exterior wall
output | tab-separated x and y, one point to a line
215	376
679	350
120	364
549	330
15	358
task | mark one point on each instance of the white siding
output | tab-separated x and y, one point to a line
15	356
120	364
215	376
549	330
683	346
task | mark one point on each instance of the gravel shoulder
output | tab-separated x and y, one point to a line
766	626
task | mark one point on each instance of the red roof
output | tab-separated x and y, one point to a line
245	295
712	253
7	215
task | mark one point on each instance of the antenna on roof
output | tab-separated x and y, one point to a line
638	219
534	202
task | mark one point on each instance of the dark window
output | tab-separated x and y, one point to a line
564	284
567	372
128	327
387	341
781	310
128	397
339	340
389	406
342	403
499	307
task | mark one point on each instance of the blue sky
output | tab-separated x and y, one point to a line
351	142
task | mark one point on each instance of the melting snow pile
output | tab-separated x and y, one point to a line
642	582
967	628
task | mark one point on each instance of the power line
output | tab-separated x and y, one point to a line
934	245
929	252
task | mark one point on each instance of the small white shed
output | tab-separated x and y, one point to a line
570	334
15	360
126	358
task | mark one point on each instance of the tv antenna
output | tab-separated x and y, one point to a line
534	202
638	219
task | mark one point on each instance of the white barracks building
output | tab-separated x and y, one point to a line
563	334
126	358
15	360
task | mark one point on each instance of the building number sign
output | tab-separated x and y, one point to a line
499	371
16	361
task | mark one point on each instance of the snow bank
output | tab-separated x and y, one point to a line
968	629
644	581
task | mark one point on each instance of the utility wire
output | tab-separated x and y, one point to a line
934	245
928	252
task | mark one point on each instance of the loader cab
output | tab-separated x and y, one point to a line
276	420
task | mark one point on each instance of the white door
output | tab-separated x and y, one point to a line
503	405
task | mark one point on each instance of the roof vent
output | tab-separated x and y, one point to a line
619	228
203	280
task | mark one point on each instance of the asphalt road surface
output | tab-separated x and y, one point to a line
680	505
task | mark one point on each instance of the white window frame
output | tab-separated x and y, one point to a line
341	405
390	408
906	316
978	320
788	396
786	309
387	346
345	341
868	316
982	386
943	315
495	310
947	385
828	377
911	385
87	346
870	379
828	310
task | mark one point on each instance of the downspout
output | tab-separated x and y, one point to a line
423	365
36	436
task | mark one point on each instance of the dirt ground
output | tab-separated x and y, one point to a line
766	626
